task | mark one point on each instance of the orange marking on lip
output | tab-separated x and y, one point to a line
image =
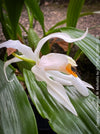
69	70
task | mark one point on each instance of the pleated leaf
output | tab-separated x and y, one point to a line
60	119
36	11
16	115
73	12
33	38
14	8
89	45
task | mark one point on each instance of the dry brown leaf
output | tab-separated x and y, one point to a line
60	42
10	51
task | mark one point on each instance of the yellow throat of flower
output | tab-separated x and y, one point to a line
69	70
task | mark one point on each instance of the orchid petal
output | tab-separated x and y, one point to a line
7	63
64	79
71	61
61	75
57	77
63	36
16	44
78	83
88	85
55	61
54	88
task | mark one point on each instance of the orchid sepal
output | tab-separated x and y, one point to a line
7	63
16	44
81	86
54	88
63	36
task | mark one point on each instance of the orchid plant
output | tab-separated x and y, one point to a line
53	68
57	92
52	65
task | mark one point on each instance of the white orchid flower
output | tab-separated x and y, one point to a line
53	68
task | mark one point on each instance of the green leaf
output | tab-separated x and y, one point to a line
46	48
60	119
36	11
78	54
89	13
30	16
14	8
89	45
16	115
73	12
33	38
58	24
6	28
19	33
65	20
23	28
23	64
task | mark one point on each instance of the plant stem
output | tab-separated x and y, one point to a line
23	28
20	78
24	59
69	48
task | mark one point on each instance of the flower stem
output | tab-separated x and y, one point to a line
24	59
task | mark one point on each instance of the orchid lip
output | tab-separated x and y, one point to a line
69	70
